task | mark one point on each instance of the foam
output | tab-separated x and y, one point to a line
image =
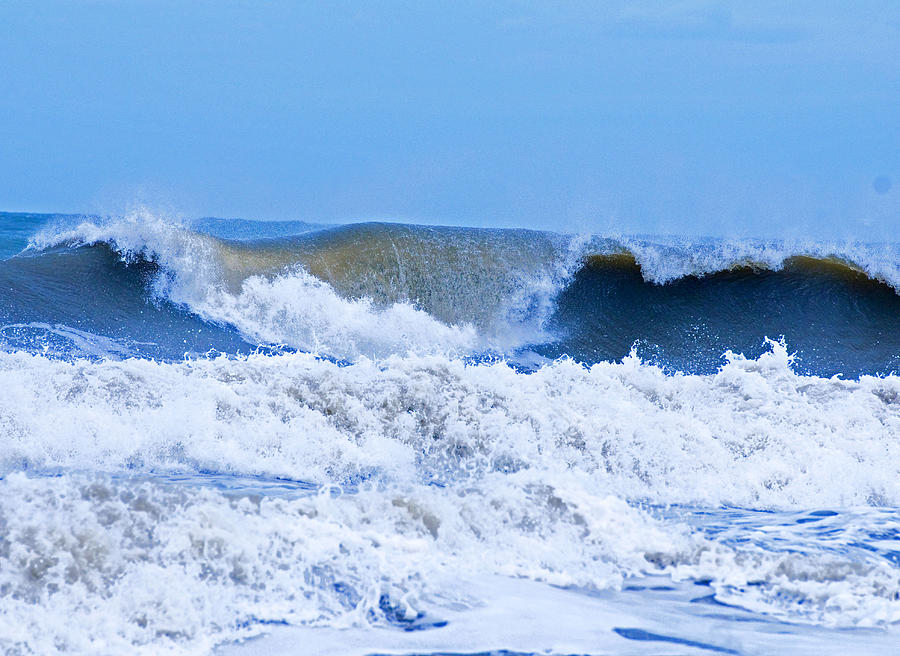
99	565
458	472
649	616
59	340
666	260
145	565
755	434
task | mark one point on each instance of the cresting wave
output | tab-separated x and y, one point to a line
399	255
368	290
374	290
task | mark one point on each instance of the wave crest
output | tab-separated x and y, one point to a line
377	289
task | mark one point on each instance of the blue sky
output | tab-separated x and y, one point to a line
763	118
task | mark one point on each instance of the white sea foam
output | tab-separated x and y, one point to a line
754	434
60	340
664	260
533	471
96	565
651	616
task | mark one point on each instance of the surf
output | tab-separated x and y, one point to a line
374	289
288	489
213	431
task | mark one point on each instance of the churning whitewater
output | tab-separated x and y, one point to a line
381	438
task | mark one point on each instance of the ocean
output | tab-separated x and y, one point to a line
236	437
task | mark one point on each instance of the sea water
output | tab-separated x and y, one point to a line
236	437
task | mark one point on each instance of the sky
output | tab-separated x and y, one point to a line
715	118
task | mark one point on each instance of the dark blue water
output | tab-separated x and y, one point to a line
836	321
45	296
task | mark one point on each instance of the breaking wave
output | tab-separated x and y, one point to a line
374	290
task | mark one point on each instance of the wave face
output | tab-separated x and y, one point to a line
835	318
373	290
213	429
